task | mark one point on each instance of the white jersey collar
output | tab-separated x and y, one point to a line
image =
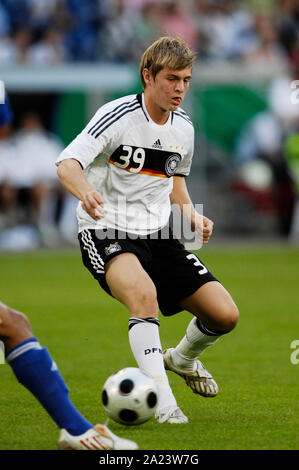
152	123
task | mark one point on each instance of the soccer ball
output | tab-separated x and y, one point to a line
130	396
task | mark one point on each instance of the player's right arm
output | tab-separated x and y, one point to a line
96	141
74	180
75	158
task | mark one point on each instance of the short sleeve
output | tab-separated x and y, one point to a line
86	146
184	167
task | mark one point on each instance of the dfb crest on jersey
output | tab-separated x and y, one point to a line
172	163
112	248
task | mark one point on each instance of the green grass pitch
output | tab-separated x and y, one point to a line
86	332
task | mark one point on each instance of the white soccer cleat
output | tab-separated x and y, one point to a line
200	380
171	414
97	438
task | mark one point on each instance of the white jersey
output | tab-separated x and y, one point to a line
130	160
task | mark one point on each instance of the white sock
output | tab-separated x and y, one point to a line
195	341
146	346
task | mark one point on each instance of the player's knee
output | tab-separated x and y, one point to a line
13	323
4	318
145	302
22	321
229	316
2	312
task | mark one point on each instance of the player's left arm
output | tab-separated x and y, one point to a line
201	225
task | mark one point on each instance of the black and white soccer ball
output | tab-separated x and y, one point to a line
130	396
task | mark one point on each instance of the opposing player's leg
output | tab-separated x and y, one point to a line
215	314
14	327
35	369
130	284
97	438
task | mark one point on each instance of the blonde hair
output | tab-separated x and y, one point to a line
167	51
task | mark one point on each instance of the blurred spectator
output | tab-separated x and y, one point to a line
148	25
137	5
41	14
5	24
82	37
18	13
28	176
119	30
21	46
7	194
224	28
7	51
176	21
5	117
266	49
263	139
49	50
287	15
201	16
119	41
15	50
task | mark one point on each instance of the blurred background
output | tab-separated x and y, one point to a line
62	59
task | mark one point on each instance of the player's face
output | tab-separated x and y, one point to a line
167	90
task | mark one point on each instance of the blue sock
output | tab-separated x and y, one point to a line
35	369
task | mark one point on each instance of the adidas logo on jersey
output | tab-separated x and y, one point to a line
157	144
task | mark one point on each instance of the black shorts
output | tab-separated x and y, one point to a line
176	272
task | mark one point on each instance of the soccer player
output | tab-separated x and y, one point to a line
126	168
5	114
34	368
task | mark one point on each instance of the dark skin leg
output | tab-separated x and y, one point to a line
14	327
